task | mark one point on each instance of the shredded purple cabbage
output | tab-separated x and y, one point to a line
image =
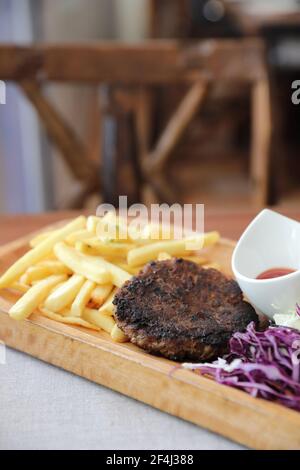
263	364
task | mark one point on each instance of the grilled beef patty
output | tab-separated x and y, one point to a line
179	310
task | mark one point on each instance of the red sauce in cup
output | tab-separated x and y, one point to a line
275	272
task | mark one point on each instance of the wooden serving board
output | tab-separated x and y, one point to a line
127	369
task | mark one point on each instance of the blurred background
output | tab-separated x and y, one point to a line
161	100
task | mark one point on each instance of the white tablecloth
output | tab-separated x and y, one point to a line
43	407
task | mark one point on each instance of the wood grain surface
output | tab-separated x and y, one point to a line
126	368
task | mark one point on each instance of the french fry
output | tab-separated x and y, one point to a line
129	269
144	254
38	272
65	294
24	307
92	223
79	235
39	252
116	228
92	267
79	245
95	268
139	235
55	287
163	256
118	275
212	266
39	238
104	322
20	287
118	335
112	227
154	232
82	298
24	279
109	248
87	250
108	307
211	238
150	234
50	257
67	319
54	265
120	230
84	248
100	293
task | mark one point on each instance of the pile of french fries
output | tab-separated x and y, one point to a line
71	274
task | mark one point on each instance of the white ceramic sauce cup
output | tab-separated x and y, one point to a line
270	241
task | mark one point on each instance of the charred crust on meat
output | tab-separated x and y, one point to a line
182	311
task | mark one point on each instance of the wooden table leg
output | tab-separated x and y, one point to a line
261	142
121	174
155	161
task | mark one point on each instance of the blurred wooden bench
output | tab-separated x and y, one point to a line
127	74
